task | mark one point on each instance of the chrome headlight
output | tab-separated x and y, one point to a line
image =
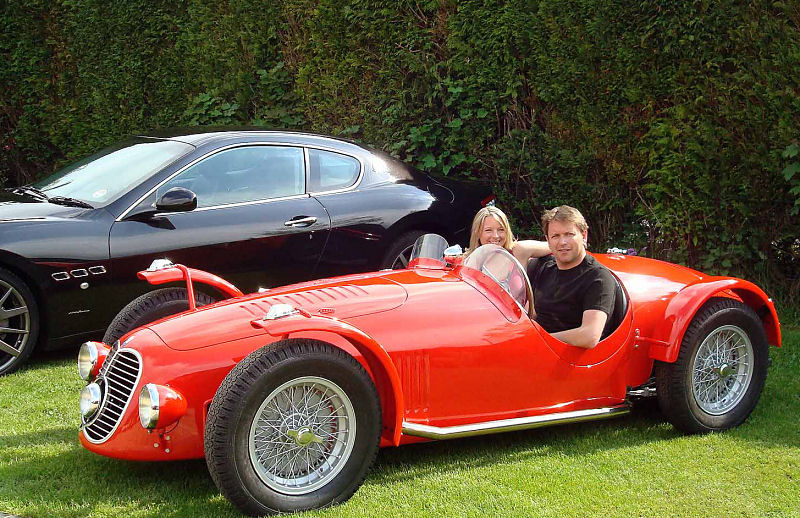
160	406
91	396
90	358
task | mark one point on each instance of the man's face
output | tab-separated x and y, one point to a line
567	243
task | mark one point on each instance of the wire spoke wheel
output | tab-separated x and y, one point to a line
15	324
718	376
302	435
294	426
722	369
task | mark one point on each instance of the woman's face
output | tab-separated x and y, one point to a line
493	232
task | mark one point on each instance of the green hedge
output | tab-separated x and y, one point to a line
673	125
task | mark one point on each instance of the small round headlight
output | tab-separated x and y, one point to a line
90	400
90	358
160	406
148	406
87	359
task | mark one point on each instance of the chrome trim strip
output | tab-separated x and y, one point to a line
510	425
307	164
240	204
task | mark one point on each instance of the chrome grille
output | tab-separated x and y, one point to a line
118	378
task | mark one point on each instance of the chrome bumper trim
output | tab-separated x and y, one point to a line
510	425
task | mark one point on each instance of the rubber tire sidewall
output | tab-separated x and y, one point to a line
148	308
258	375
674	380
33	313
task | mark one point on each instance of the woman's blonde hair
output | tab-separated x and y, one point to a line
477	227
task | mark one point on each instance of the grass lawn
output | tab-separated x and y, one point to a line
636	465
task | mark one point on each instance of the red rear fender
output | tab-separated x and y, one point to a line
685	304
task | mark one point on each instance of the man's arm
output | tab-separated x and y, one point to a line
589	333
526	249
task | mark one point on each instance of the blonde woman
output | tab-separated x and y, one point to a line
490	226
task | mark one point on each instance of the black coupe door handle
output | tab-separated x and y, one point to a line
301	222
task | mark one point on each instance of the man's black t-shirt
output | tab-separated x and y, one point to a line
561	296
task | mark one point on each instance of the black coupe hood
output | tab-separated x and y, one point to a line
15	207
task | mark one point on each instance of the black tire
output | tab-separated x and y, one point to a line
247	406
713	390
19	321
399	253
150	307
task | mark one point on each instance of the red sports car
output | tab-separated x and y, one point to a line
289	393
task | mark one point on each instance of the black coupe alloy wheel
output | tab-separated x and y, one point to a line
19	322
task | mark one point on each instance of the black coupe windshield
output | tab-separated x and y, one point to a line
104	176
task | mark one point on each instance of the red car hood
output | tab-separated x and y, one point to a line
342	297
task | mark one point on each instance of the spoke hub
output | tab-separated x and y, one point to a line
304	436
724	370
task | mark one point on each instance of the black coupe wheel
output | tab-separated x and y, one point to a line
399	254
19	322
717	379
295	425
150	307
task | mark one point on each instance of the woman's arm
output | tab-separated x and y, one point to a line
527	248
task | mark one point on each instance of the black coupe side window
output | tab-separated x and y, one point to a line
331	171
243	174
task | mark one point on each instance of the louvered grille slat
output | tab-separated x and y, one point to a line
118	378
123	381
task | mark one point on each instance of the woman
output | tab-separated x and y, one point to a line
490	226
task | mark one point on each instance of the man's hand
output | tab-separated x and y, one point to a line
589	333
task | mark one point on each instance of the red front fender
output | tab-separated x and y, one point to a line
382	366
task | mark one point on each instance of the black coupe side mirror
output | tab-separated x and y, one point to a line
177	199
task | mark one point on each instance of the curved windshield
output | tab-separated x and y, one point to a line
104	176
428	249
500	266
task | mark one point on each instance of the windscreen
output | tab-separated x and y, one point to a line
104	176
428	248
499	265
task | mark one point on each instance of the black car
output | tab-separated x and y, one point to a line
261	208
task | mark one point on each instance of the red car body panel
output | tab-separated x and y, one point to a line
444	346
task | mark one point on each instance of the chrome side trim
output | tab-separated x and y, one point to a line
510	425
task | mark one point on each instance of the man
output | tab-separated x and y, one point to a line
573	294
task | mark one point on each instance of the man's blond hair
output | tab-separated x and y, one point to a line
564	214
